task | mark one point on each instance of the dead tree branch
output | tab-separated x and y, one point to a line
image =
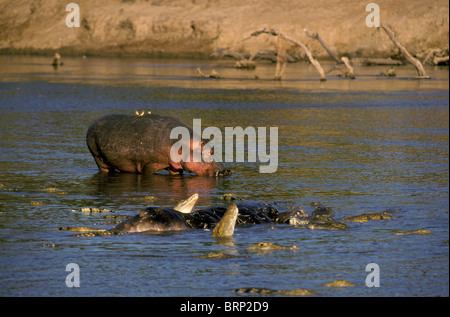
434	56
303	46
349	69
281	59
440	60
348	72
221	51
316	36
420	70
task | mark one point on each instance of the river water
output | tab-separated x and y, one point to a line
359	146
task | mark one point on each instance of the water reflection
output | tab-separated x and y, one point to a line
182	74
167	188
229	242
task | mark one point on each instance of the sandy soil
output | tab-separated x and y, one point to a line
195	28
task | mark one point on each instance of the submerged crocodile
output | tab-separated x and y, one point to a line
270	246
320	218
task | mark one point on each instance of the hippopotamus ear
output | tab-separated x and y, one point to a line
211	150
203	155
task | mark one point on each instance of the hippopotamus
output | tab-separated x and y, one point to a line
221	219
142	144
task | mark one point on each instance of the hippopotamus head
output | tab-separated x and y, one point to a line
200	160
207	166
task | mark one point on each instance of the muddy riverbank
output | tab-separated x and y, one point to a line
176	28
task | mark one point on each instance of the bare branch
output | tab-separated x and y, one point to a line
316	36
420	70
220	51
303	46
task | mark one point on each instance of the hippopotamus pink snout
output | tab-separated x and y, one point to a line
206	168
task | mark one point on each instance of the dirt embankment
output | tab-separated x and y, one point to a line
181	28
